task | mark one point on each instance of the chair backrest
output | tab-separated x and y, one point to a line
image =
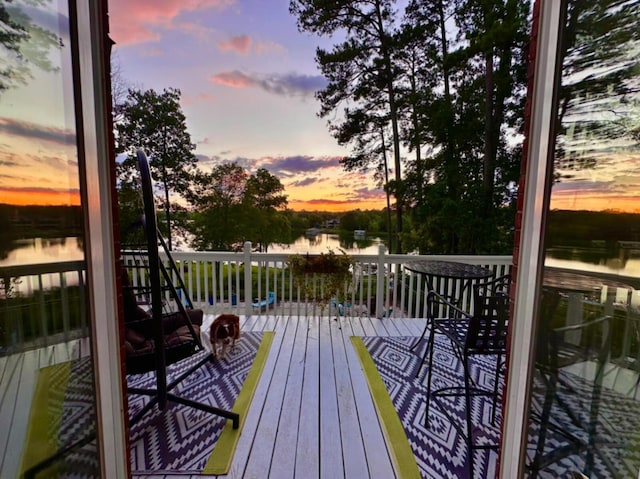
488	327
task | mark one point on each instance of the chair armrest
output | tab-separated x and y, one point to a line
434	298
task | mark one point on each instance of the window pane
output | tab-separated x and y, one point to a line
585	401
47	406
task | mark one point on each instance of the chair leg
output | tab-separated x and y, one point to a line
428	351
496	379
424	331
467	398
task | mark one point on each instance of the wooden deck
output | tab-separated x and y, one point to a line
311	416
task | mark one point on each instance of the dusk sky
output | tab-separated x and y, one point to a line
247	78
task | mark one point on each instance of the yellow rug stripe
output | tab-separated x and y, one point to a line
219	462
397	442
46	414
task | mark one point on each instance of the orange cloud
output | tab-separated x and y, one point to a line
138	21
596	202
334	205
239	44
39	196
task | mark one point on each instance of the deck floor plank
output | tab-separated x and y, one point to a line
259	462
286	441
354	457
256	410
331	461
373	439
308	450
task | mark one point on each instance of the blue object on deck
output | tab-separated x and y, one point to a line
265	303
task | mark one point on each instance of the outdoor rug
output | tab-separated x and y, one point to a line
441	450
60	439
181	439
617	439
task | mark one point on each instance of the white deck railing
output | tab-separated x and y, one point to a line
42	304
30	316
380	285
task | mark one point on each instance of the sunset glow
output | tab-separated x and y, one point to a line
39	197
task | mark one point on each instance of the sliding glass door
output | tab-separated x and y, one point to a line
584	389
56	269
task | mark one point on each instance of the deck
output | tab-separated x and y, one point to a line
311	416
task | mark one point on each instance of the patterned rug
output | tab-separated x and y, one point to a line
181	439
61	432
440	451
618	429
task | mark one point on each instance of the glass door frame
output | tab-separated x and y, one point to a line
529	259
89	18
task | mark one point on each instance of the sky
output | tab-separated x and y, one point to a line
247	78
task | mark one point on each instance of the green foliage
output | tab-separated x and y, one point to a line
25	45
154	122
322	277
447	81
232	206
361	74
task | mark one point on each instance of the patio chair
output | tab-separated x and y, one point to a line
570	410
481	333
167	325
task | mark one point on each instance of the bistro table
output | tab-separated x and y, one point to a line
434	269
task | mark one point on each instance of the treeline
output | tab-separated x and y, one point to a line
565	227
33	221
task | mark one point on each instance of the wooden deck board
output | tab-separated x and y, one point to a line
308	452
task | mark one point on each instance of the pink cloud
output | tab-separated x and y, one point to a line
239	44
234	79
138	21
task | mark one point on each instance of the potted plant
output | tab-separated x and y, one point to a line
332	270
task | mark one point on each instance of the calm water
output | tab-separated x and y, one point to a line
51	250
43	250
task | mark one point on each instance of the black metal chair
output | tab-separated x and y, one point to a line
483	332
559	348
169	326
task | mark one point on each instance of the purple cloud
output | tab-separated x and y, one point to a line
291	84
37	132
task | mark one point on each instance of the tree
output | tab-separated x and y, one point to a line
264	202
156	124
361	74
466	104
598	93
231	207
217	200
23	44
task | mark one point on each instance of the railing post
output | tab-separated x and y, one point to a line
380	282
248	282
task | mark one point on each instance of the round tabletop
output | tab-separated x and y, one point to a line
449	269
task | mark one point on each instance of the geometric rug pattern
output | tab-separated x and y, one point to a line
65	436
440	450
617	429
181	438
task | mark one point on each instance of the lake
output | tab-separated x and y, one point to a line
53	250
621	261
